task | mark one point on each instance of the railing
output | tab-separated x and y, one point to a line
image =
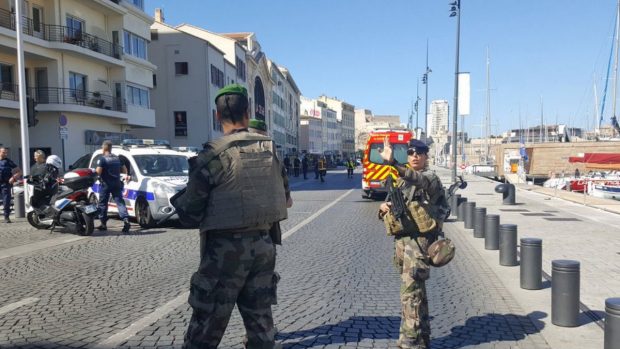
59	33
57	95
9	92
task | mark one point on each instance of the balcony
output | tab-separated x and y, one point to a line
57	95
59	33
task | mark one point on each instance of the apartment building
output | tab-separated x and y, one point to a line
191	69
87	70
293	121
438	117
345	114
330	133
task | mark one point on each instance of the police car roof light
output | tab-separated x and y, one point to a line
156	143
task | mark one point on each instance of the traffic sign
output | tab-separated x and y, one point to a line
64	132
62	120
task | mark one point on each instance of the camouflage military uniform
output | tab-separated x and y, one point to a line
412	260
236	268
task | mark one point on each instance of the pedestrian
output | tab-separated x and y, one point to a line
234	216
109	169
287	165
304	166
296	166
315	163
577	174
350	167
39	168
420	184
9	173
322	163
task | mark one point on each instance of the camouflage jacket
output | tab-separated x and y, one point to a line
427	187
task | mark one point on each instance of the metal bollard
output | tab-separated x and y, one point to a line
508	193
469	215
612	323
480	214
19	205
565	293
531	264
491	232
508	245
455	203
460	209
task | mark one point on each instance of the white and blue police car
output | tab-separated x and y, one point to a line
156	174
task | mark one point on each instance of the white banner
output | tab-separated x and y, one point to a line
464	94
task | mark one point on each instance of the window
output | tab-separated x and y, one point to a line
134	45
6	77
180	124
181	68
217	76
75	27
138	96
77	85
154	80
154	35
240	68
138	3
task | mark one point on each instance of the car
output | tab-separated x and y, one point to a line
82	162
157	173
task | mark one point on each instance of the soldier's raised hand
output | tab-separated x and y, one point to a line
386	153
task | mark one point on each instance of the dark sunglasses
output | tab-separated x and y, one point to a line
412	152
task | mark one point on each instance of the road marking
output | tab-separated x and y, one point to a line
133	329
316	214
13	306
122	336
39	245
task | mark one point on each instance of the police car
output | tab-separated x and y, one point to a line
157	173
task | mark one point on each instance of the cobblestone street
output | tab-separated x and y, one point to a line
339	288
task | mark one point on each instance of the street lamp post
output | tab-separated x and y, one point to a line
455	10
425	82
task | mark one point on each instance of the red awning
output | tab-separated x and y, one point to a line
575	159
602	158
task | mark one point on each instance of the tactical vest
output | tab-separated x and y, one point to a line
247	187
436	203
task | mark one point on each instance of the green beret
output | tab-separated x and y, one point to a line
232	89
258	124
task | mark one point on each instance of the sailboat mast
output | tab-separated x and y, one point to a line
616	60
597	119
488	113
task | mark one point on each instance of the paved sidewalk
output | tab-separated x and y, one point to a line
569	230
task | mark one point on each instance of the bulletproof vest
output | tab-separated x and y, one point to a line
247	188
433	196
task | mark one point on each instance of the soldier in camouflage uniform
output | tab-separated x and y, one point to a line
235	194
417	183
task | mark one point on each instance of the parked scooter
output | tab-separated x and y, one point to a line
55	202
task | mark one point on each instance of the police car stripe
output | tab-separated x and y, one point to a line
130	194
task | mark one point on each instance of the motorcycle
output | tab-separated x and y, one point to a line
62	202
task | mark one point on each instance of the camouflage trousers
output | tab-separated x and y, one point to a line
234	269
412	261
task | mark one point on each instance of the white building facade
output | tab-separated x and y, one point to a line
87	68
439	112
190	72
345	114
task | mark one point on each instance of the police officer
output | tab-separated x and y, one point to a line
304	166
322	166
109	169
411	257
9	173
235	193
39	168
350	168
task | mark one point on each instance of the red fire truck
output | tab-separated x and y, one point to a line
374	171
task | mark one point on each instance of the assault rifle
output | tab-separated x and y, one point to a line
395	195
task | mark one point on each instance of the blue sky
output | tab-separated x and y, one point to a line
370	53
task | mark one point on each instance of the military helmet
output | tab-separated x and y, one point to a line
441	252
